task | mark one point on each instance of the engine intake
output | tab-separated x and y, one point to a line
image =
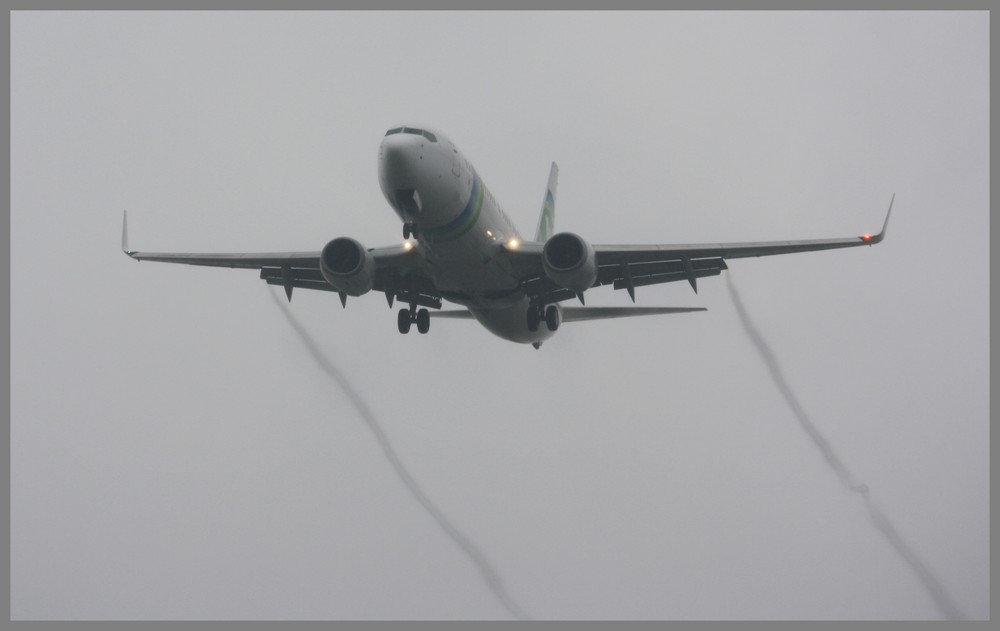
569	261
348	266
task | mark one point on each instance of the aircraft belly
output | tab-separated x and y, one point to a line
510	323
470	263
464	266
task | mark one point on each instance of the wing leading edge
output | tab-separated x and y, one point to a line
631	266
399	271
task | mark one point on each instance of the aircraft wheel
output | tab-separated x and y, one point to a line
533	318
552	317
423	321
403	321
406	231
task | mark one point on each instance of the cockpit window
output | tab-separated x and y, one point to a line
412	130
428	135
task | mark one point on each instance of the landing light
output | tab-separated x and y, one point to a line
407	246
513	243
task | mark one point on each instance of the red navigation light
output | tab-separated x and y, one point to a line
867	237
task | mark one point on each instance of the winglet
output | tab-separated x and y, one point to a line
873	239
125	234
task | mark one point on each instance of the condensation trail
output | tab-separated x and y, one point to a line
878	518
490	575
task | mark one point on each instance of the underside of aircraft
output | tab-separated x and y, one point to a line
461	247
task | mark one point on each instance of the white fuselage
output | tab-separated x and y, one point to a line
460	227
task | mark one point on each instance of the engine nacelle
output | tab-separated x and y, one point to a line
569	261
348	266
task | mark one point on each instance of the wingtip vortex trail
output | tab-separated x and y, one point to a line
490	575
878	518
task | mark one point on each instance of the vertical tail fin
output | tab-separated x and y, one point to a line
547	220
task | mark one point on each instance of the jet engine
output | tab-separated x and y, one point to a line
348	266
569	261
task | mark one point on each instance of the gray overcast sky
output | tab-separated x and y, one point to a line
176	453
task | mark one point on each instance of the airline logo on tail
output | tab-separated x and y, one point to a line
547	220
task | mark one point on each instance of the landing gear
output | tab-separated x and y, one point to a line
539	313
552	317
407	317
403	321
409	229
534	316
423	321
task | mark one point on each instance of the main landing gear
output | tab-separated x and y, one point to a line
538	313
410	229
407	317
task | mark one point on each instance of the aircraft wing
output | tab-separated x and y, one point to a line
399	272
631	266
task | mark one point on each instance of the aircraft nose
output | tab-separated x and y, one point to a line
398	157
399	163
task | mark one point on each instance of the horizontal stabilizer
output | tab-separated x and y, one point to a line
575	314
453	314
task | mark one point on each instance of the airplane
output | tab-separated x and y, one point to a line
460	246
